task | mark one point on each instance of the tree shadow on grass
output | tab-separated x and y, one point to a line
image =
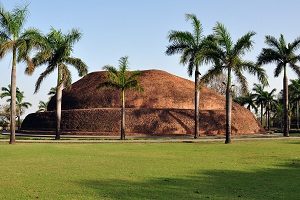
279	182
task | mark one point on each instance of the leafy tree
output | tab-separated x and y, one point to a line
42	106
190	45
122	80
18	41
56	49
227	56
283	54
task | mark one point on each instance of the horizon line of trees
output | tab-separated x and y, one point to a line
219	50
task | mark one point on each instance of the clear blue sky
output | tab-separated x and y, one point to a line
139	28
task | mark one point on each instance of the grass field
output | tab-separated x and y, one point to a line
243	170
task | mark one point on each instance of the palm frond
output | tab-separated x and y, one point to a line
80	66
123	64
19	15
175	48
66	76
4	37
133	84
243	44
241	80
256	70
278	69
109	84
6	47
6	21
211	73
295	68
181	38
268	56
197	27
295	44
73	36
223	37
272	42
42	76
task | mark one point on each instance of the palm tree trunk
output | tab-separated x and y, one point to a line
228	108
13	98
261	113
266	118
59	89
297	111
197	98
285	105
123	116
268	113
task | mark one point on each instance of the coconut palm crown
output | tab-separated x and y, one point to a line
225	55
42	106
55	53
122	80
284	55
247	100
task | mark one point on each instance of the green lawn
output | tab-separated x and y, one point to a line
243	170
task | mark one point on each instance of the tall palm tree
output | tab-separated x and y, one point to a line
227	56
56	49
282	54
18	41
122	80
260	100
270	102
295	96
190	45
42	106
247	100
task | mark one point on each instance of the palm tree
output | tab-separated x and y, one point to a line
56	49
247	100
18	41
6	92
260	100
278	113
122	80
227	56
270	102
21	106
190	45
283	55
42	106
295	96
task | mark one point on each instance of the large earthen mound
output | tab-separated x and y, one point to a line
164	107
161	90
